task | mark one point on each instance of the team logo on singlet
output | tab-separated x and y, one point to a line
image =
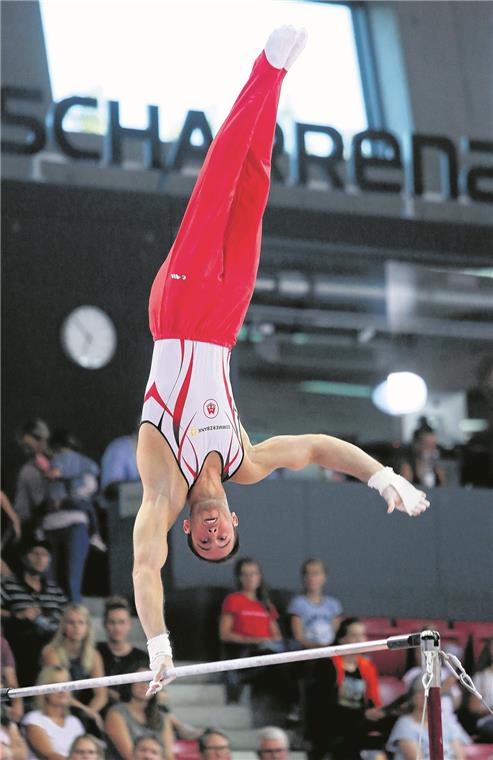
211	408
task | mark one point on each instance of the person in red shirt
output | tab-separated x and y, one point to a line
248	623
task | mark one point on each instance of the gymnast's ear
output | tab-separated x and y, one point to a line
186	527
233	515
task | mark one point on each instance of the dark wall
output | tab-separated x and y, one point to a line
63	248
439	565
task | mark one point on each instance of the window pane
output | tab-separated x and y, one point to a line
185	55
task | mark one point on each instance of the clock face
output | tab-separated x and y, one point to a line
89	337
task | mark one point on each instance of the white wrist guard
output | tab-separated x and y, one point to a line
158	648
382	479
412	500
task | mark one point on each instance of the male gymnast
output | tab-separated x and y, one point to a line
191	439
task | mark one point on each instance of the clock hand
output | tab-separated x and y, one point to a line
83	330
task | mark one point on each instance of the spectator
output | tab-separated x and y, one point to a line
50	729
12	744
32	607
404	737
86	746
248	623
148	747
135	715
73	648
421	468
118	655
15	710
214	745
273	744
343	700
119	464
32	486
314	616
483	680
73	481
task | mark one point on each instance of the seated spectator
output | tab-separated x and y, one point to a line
32	607
421	467
483	681
214	745
32	486
15	709
135	715
404	737
119	464
73	648
248	623
73	481
148	747
273	744
118	655
315	617
343	700
50	729
12	743
86	746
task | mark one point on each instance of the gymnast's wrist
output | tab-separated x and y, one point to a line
158	648
381	479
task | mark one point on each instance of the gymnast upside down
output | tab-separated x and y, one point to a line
191	439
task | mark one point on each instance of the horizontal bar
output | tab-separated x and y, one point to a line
406	641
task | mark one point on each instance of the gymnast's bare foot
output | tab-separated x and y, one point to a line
284	45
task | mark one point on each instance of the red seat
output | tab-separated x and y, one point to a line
186	749
479	751
389	662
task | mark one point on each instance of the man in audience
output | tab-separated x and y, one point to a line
32	485
214	745
119	656
148	747
32	606
273	743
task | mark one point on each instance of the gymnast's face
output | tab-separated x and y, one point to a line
212	529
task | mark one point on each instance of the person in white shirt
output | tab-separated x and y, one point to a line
51	729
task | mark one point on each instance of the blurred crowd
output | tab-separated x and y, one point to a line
339	707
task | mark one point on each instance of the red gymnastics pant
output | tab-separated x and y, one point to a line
203	289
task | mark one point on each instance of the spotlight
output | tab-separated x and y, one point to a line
400	393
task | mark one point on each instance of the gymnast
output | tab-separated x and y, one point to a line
191	439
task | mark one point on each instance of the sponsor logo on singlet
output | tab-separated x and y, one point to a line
211	408
178	276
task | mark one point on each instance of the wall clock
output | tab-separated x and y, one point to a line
88	337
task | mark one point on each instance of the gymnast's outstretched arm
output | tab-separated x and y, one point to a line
297	451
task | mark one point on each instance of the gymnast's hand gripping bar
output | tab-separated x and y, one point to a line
405	641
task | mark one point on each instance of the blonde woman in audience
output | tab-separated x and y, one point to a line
86	746
135	715
73	648
51	729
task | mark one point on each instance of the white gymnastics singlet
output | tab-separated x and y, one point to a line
189	400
